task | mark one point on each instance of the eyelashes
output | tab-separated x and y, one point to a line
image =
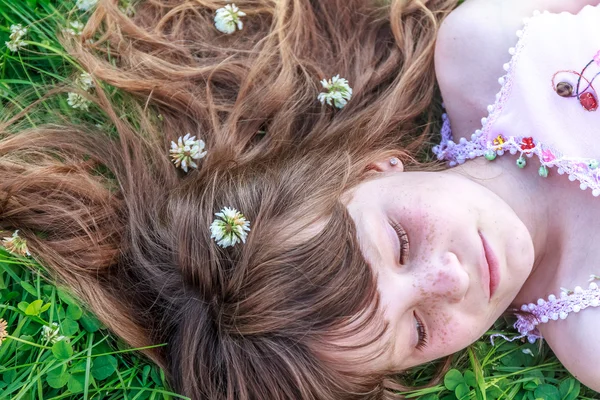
404	245
404	253
422	342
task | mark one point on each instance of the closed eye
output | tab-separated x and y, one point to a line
404	245
422	333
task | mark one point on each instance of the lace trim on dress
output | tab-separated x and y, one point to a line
531	315
447	149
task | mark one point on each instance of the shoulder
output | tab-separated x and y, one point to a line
575	342
472	47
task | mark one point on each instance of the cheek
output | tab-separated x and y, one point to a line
437	283
453	335
444	327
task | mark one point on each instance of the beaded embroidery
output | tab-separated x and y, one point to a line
586	96
531	315
584	170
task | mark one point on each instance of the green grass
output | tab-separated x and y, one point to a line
89	363
86	363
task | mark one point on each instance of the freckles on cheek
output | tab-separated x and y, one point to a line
440	324
452	335
448	336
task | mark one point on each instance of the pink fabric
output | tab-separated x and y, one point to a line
529	106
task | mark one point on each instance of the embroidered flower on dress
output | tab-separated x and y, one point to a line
338	91
86	5
548	156
230	227
498	142
527	144
17	32
51	333
3	331
186	150
228	18
76	27
16	244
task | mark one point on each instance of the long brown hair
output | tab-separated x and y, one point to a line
112	218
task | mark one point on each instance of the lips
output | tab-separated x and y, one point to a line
491	269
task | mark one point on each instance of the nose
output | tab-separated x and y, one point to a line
443	279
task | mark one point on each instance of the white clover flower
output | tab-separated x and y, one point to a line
76	27
17	32
16	244
51	333
85	81
338	91
229	228
186	150
85	5
228	18
76	100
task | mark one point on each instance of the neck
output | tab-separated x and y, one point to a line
545	205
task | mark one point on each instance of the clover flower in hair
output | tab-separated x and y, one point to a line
85	81
16	244
86	5
75	100
228	18
186	150
17	32
230	227
76	27
338	92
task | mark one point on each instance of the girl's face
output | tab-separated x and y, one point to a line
449	256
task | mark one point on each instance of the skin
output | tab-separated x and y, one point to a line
443	280
539	229
564	217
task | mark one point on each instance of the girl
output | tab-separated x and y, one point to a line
292	246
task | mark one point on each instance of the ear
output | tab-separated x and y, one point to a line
392	164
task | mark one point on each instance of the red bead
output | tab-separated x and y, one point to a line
588	101
527	143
